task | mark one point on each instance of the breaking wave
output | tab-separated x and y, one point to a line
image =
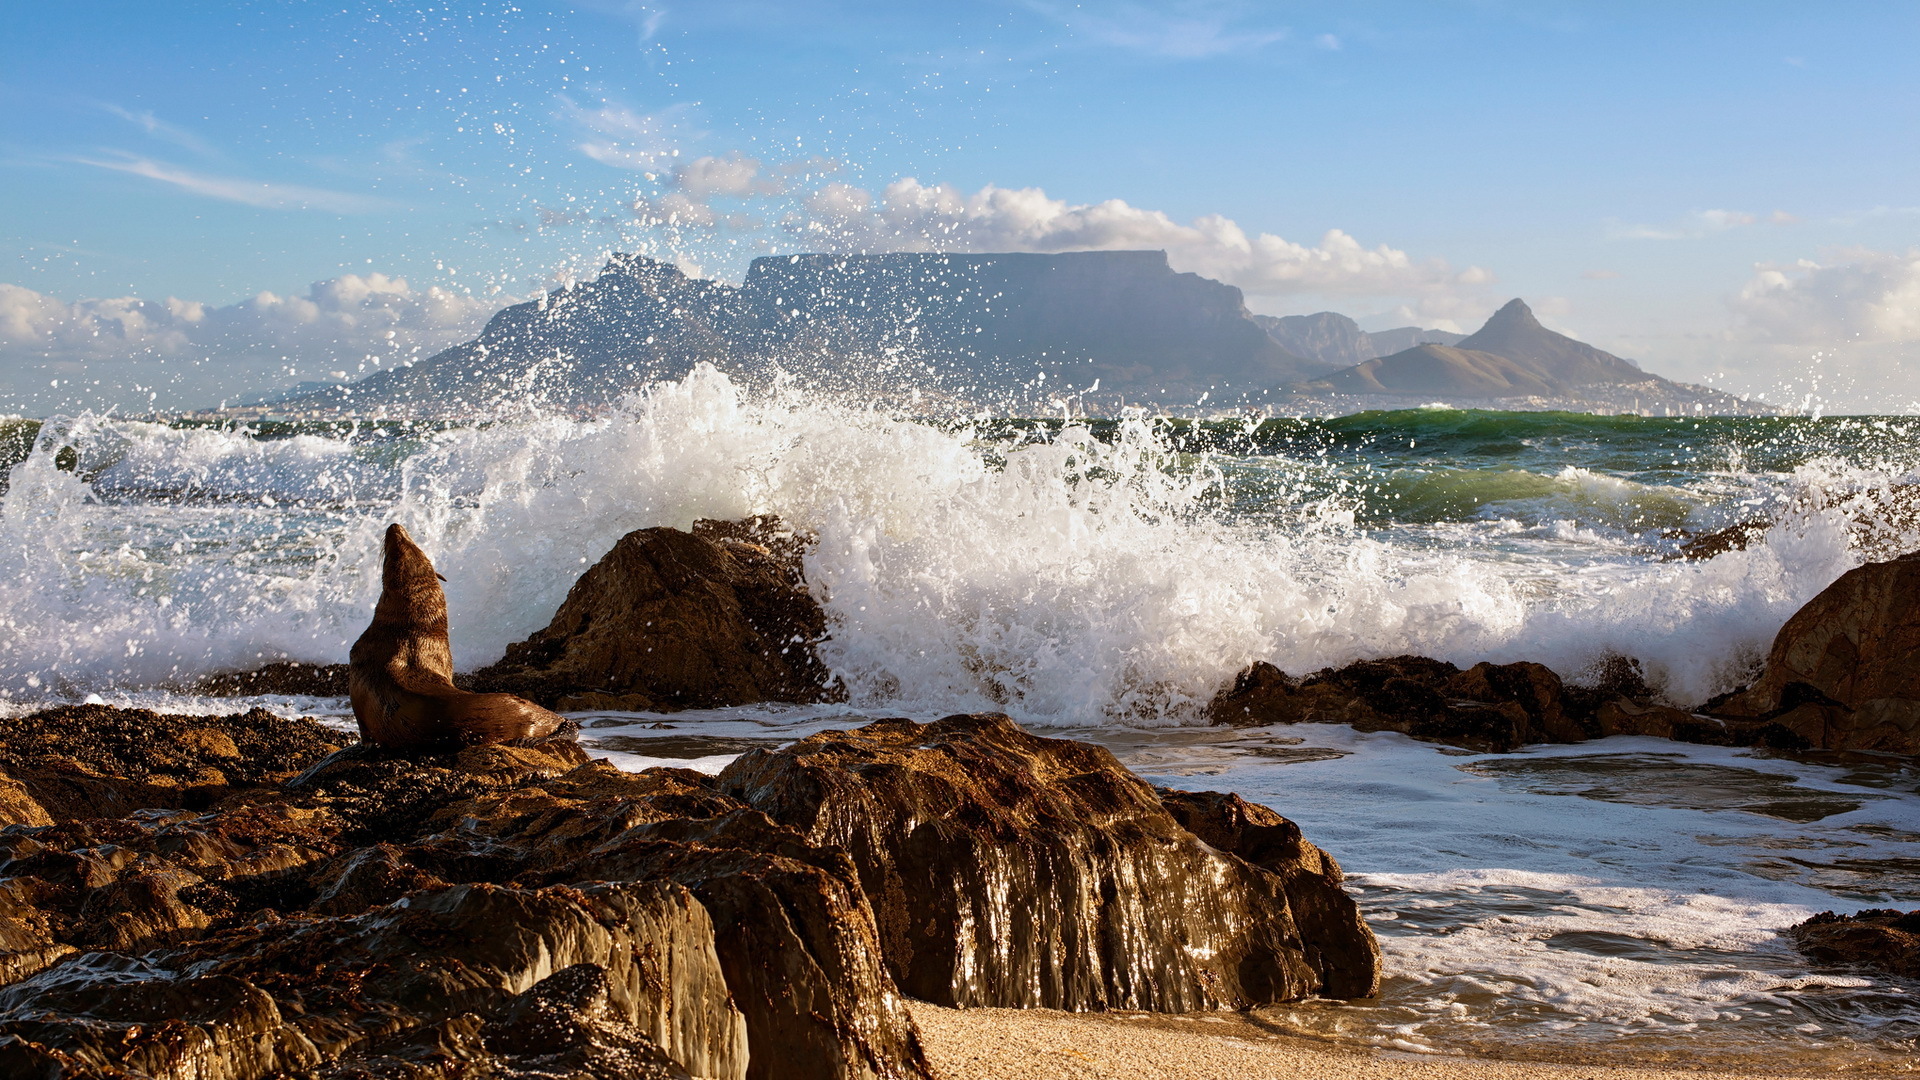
1066	572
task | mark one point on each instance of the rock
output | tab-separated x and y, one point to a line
1736	537
288	677
401	669
796	938
516	910
673	620
473	979
1844	672
18	806
1333	933
80	761
1881	938
1624	716
1014	871
1490	707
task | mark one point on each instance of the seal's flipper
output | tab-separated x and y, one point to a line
488	718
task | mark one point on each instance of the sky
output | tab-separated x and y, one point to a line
202	201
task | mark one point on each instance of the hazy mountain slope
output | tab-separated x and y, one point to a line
1332	338
1441	369
1514	362
995	329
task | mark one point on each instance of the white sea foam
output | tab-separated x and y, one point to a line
1076	580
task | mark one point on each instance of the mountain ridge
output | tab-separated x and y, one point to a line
1512	357
1333	338
1008	333
1013	328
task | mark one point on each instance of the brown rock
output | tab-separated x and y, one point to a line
288	677
459	981
1844	672
1624	716
1010	870
1490	707
795	936
795	933
1333	933
18	806
669	619
1880	938
79	761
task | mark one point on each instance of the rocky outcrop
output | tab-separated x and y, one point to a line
84	761
282	677
604	979
1844	672
1491	708
1336	938
518	910
1014	871
385	912
672	620
1881	938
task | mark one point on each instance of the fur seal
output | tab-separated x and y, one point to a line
401	680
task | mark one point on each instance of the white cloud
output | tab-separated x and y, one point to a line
267	339
146	121
911	216
627	139
240	190
1858	296
729	174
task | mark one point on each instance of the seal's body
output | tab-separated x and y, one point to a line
402	669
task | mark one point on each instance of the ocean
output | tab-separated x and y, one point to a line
1102	579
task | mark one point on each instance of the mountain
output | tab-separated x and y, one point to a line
1008	330
1332	338
1514	362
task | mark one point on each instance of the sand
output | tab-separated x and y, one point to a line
1016	1044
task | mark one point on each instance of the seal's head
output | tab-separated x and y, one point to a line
410	593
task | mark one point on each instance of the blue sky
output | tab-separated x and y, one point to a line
1718	190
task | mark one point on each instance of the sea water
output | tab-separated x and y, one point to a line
1103	579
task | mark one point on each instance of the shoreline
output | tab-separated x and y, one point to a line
1044	1044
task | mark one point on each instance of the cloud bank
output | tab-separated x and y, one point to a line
1856	296
183	353
1840	334
909	215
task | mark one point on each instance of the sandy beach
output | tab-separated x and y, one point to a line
1038	1044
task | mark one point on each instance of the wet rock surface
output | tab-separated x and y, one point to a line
1844	672
1333	933
668	619
1006	869
1490	708
501	909
96	761
520	910
1884	939
282	677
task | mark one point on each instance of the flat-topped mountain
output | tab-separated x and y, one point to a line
1514	362
1010	330
1013	333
